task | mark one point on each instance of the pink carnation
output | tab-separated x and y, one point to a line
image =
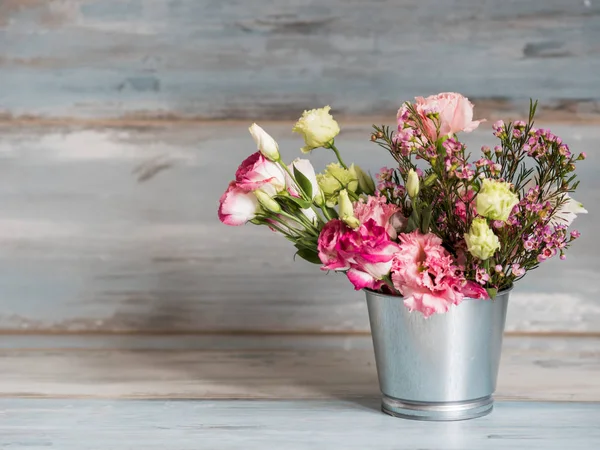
384	214
426	275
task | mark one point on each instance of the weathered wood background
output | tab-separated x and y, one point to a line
112	158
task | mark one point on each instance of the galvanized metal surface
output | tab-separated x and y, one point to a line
443	367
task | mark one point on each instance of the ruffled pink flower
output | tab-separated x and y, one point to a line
385	215
369	252
455	114
236	206
257	172
328	245
425	274
366	252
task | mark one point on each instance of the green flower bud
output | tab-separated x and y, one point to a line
267	202
412	184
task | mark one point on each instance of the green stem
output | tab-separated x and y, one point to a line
337	154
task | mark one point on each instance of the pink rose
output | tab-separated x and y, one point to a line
257	172
328	245
455	114
236	206
425	274
384	214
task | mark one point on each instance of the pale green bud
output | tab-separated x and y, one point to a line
267	202
412	184
481	241
347	210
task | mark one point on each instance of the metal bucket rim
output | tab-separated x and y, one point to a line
381	294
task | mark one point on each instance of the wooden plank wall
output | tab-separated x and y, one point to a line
114	151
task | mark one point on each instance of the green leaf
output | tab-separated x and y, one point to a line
303	182
308	255
426	219
492	292
332	212
304	204
411	225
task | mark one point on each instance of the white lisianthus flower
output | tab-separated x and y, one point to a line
481	241
305	168
265	143
566	213
495	200
317	127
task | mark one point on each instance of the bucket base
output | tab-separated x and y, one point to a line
444	411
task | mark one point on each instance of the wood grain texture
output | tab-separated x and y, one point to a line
287	425
115	229
267	58
533	369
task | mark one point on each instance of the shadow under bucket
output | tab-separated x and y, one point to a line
441	368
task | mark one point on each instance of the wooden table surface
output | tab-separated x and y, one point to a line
278	391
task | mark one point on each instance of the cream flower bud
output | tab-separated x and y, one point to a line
495	200
365	182
267	202
481	241
265	143
347	210
317	127
412	184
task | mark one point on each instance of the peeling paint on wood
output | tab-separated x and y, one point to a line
256	58
87	246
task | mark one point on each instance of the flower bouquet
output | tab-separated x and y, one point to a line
436	242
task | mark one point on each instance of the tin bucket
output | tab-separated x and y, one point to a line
443	367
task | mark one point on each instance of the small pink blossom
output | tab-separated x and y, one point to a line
236	206
517	270
384	214
481	276
425	274
455	114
